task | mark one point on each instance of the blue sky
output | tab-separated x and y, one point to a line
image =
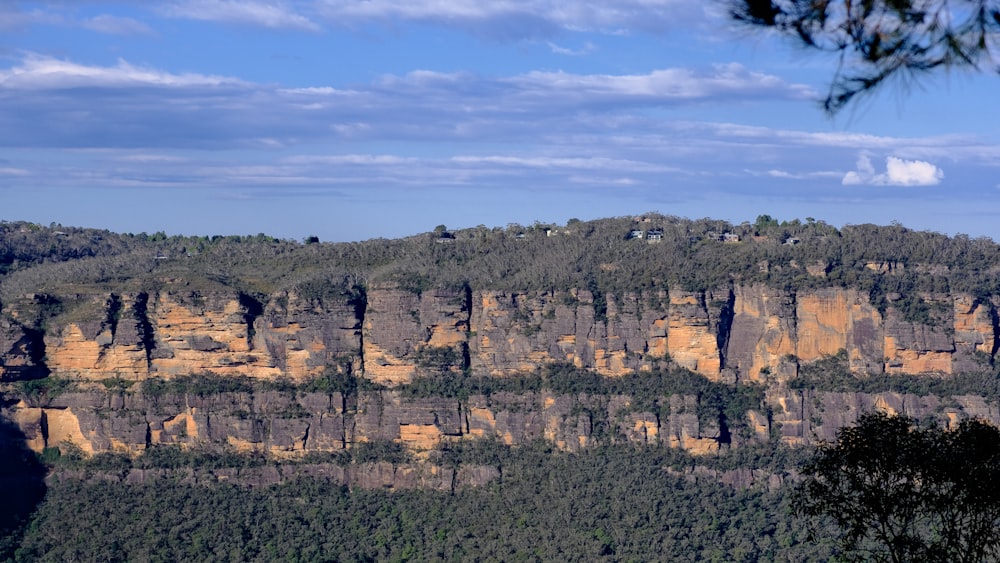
356	119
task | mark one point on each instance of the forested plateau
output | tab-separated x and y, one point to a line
424	376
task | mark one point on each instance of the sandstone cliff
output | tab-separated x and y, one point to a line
390	335
289	424
742	333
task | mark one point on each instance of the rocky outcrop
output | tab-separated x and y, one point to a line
806	417
764	335
691	340
391	335
404	332
515	333
22	351
303	336
212	333
976	335
833	319
288	424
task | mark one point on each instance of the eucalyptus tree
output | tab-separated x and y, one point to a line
879	40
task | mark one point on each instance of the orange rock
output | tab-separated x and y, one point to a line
648	429
763	332
242	446
973	324
64	427
182	424
420	436
30	421
384	368
823	321
192	338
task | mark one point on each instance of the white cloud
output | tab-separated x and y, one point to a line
315	91
40	72
13	18
953	147
776	173
116	25
589	163
470	92
673	83
565	89
273	15
500	19
585	50
899	172
834	139
516	19
350	159
563	124
150	158
598	181
19	19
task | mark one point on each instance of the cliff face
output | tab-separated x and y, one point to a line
514	333
764	334
287	424
301	337
290	424
169	333
391	336
752	333
805	417
398	325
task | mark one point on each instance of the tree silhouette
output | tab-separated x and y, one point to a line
899	492
882	39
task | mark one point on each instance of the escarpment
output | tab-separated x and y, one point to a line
291	424
255	344
287	424
391	335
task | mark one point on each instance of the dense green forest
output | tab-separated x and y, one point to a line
596	255
607	504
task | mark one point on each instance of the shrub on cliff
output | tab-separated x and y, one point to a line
38	392
200	384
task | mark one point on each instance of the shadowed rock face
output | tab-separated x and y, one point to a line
398	324
290	424
22	351
22	484
741	333
806	417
